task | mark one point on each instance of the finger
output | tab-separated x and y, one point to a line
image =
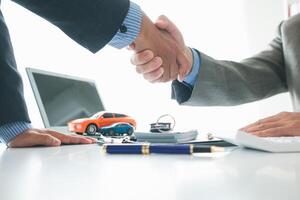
93	140
183	64
131	46
174	71
47	140
142	57
154	64
263	126
261	121
270	119
272	132
154	76
161	23
288	128
166	75
69	139
83	139
165	23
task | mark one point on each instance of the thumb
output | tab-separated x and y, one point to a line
166	24
183	64
163	23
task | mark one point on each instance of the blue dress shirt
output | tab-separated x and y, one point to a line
130	28
191	78
11	130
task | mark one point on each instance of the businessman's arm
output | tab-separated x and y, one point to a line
226	83
94	23
87	24
16	121
15	128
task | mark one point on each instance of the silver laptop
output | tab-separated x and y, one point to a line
62	98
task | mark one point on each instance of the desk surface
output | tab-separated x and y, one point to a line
83	172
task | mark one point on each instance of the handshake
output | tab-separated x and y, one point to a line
160	51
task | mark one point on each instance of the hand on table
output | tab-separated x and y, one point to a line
165	42
282	124
45	137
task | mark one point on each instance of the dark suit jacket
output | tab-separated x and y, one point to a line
272	71
91	23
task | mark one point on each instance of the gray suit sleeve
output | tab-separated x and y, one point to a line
227	83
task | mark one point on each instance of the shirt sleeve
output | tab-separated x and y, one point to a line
11	130
129	29
191	78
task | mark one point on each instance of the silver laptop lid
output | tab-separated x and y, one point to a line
62	98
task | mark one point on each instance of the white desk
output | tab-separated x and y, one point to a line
82	172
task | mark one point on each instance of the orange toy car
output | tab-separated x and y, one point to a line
91	125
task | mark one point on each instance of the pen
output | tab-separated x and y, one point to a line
159	148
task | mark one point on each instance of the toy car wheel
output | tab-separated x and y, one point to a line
111	132
130	131
91	129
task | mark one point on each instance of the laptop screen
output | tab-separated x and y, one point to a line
62	98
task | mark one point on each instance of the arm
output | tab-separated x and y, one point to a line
14	119
93	24
226	83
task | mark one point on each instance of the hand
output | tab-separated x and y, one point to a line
282	124
45	137
150	66
172	60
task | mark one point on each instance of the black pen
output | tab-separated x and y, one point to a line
147	148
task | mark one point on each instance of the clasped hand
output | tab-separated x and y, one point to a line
161	55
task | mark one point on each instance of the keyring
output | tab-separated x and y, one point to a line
163	127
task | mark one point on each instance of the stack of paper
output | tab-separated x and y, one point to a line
166	137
